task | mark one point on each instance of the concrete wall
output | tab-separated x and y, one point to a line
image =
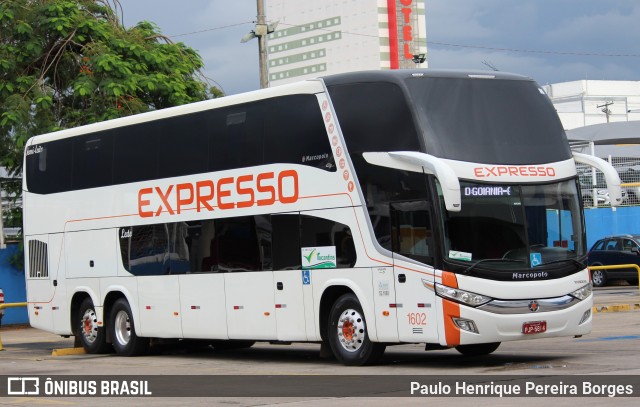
13	285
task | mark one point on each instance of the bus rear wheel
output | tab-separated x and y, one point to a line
348	336
92	335
123	331
478	349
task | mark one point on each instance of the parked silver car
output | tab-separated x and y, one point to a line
602	193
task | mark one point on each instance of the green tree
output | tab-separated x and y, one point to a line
68	63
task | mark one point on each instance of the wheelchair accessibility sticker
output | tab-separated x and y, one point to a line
306	277
536	259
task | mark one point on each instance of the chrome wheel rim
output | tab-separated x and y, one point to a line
351	330
122	327
89	326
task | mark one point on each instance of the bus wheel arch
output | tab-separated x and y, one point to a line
85	325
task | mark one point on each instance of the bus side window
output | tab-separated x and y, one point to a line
92	161
295	133
411	230
318	232
237	139
238	244
286	241
145	250
183	145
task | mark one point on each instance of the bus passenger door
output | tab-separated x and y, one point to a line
158	290
243	246
292	294
290	303
412	238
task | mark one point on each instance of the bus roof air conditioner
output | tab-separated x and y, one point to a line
610	175
421	162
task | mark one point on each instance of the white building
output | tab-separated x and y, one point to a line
587	102
323	37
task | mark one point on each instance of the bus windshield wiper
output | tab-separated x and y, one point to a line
574	261
471	267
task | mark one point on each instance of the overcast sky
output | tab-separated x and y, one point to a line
549	40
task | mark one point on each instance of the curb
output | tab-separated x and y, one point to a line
615	308
68	352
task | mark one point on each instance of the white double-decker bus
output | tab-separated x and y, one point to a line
357	211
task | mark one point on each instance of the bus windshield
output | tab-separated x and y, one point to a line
515	226
488	121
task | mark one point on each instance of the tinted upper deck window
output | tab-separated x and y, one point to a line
49	166
488	120
374	117
295	133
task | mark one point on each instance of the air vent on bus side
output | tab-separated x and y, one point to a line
38	259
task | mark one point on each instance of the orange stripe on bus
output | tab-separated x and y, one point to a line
449	279
451	331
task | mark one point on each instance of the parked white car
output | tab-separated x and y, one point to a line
602	194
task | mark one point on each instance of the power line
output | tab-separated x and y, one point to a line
531	51
210	29
442	44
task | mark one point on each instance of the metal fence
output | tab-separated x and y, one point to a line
596	194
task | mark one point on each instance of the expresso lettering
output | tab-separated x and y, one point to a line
243	191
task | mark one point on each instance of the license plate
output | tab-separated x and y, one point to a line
537	327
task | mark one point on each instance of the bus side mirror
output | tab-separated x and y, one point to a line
423	163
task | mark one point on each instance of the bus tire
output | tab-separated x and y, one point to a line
123	331
92	336
348	336
478	349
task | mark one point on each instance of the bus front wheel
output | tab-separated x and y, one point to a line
92	335
348	336
123	331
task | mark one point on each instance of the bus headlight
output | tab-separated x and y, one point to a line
583	293
458	295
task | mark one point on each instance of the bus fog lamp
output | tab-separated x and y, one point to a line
585	316
464	297
583	293
466	325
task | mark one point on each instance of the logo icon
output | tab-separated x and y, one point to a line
534	306
318	257
20	386
310	256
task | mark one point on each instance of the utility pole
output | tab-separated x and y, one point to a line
605	109
261	31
